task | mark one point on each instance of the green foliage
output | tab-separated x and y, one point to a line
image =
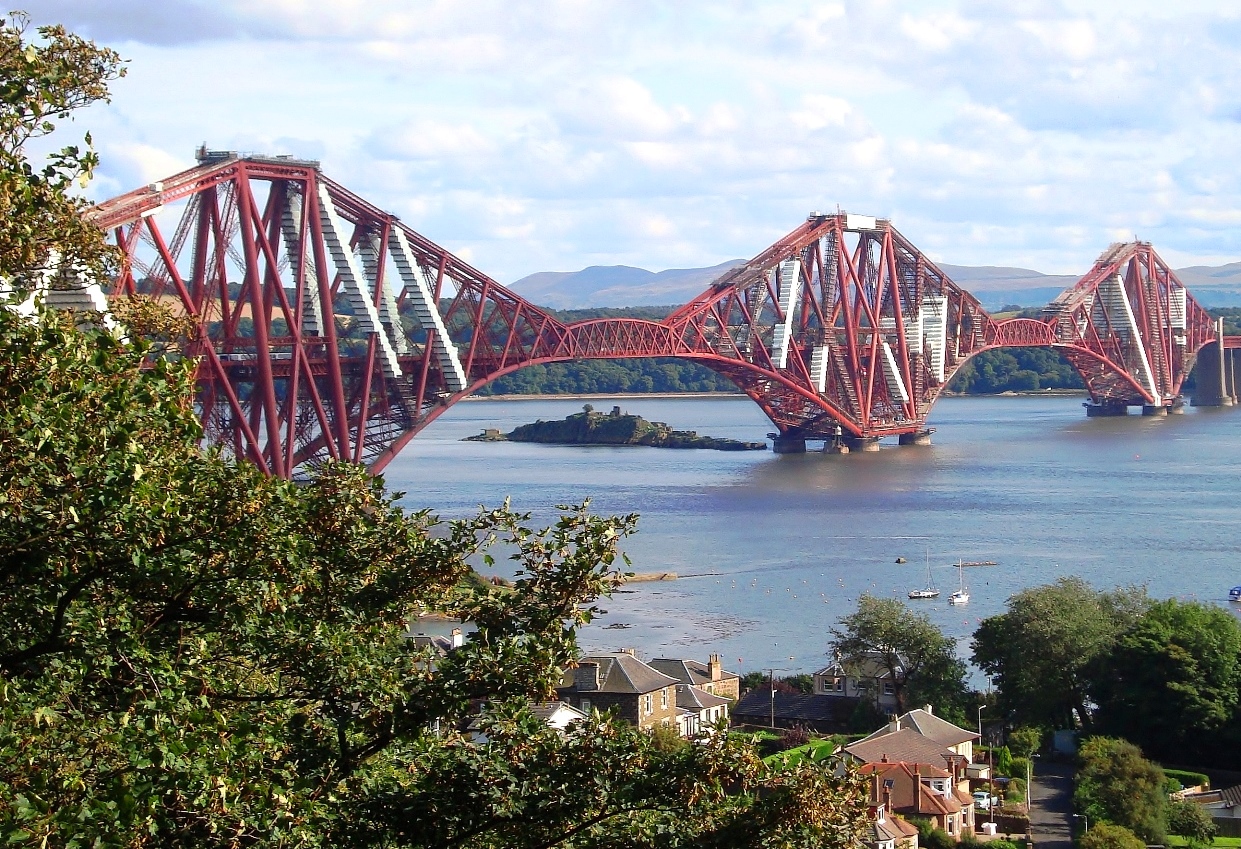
1025	740
1004	844
1115	784
1015	791
1044	651
803	682
1171	683
665	738
1017	767
1105	835
197	655
636	375
936	838
1015	370
1004	761
45	79
1191	821
1185	778
923	662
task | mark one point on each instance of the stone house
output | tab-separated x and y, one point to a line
865	676
910	746
709	677
620	682
698	710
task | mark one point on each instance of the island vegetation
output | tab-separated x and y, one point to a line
591	427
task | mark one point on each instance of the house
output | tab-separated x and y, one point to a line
698	710
866	676
813	712
909	746
1220	804
922	790
557	715
620	682
709	677
889	831
940	731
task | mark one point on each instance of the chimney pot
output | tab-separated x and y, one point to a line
929	709
458	639
714	667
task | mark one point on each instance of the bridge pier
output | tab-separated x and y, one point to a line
781	444
1215	372
860	443
1154	410
1106	409
918	437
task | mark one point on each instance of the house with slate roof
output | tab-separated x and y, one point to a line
910	746
698	710
864	676
940	731
709	677
620	682
793	710
923	790
889	831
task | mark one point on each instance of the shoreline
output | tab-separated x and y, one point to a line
596	396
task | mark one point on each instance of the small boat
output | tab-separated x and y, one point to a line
1234	594
961	595
931	590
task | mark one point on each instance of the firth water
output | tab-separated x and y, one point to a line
772	550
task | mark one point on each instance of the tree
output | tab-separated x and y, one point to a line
1170	684
45	79
1105	835
1116	784
922	663
1043	650
1025	741
201	655
197	655
1191	821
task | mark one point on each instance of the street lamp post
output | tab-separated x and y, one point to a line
1085	822
772	678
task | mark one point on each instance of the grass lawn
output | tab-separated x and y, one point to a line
815	750
1221	842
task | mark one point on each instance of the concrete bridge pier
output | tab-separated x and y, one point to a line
1154	410
782	444
1215	374
919	437
860	443
1106	409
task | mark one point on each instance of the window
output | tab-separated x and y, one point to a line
840	685
888	689
663	699
585	705
647	704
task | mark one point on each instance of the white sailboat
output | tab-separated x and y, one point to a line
931	590
961	595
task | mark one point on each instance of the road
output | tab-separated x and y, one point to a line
1051	805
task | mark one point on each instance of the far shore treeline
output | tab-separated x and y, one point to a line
988	373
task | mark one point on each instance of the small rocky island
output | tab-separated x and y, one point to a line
615	428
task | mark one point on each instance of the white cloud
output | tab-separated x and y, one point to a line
560	133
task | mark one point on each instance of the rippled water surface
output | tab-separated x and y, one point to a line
782	546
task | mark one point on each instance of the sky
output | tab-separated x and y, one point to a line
554	135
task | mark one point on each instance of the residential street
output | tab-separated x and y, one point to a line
1051	796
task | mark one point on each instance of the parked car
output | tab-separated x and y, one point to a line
984	800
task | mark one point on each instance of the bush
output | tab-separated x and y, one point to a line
1191	821
937	838
1115	783
1108	836
1188	779
666	738
1018	768
793	738
1003	844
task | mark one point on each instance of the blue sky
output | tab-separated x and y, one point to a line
548	136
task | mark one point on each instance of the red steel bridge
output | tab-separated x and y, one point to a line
329	329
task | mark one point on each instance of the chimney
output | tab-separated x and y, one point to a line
630	652
586	676
458	639
714	668
929	709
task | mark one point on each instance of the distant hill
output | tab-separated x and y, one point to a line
617	286
994	286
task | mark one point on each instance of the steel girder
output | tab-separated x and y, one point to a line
327	329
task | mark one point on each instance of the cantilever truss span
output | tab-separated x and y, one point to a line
328	329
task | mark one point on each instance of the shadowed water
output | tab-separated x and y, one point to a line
784	545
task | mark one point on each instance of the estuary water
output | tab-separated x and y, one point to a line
772	550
